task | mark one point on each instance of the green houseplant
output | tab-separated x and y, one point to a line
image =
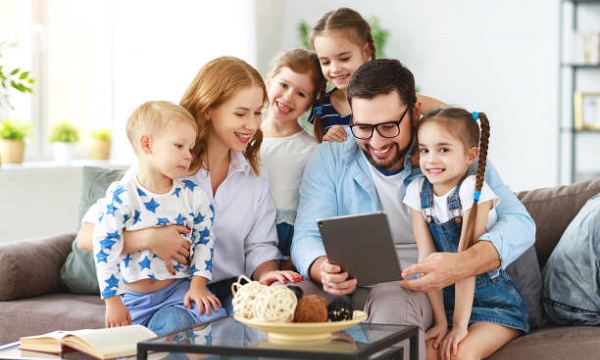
12	132
12	78
12	144
100	146
63	137
64	132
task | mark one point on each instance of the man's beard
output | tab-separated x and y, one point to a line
392	165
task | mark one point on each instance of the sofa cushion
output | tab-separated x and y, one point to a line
30	267
42	314
552	209
569	342
78	274
95	181
526	274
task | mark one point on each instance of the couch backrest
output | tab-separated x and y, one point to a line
552	209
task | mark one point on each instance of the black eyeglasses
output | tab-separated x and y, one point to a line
388	129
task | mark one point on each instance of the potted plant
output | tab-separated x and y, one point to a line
12	144
12	78
63	137
12	132
100	147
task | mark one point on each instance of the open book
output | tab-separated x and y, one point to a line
106	343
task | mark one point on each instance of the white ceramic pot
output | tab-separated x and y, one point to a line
64	153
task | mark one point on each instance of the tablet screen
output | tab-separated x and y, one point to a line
362	245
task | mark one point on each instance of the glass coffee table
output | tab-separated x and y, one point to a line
225	338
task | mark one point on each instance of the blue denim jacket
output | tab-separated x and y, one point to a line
337	181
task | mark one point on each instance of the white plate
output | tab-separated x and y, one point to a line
303	332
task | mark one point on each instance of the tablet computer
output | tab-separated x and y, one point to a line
362	245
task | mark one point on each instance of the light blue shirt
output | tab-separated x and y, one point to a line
337	181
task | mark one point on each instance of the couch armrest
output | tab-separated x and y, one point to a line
32	267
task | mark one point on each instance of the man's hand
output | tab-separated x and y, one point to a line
437	271
334	281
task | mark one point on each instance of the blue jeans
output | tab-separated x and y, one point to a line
285	232
172	318
571	278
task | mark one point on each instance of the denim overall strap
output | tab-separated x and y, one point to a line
454	204
426	195
445	235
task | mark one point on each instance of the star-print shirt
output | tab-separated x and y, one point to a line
129	206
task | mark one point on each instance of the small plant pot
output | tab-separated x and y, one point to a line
13	151
99	150
64	153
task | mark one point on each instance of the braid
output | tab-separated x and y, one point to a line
483	149
318	129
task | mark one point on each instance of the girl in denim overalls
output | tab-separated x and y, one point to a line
477	315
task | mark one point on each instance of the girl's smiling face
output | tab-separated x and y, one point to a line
290	94
235	121
340	56
443	157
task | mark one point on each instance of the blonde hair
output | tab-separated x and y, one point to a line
215	83
153	116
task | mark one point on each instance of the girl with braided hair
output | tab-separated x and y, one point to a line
450	209
294	82
343	41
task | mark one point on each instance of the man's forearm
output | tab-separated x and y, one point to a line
478	259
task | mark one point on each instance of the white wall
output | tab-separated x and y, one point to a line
495	56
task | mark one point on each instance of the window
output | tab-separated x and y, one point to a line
96	60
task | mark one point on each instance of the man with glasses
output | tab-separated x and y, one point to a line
369	174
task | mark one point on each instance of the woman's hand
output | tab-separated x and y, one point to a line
165	241
334	281
336	133
283	276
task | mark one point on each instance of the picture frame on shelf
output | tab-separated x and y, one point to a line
587	110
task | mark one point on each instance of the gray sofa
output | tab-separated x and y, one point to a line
32	300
